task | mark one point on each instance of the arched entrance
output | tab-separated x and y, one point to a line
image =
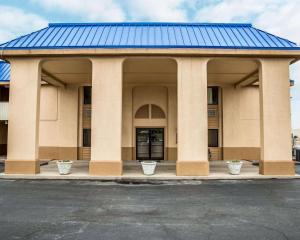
149	109
150	141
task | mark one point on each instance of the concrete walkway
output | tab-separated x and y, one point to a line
133	171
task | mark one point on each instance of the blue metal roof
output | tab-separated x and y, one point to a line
4	71
150	35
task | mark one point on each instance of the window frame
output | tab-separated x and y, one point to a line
86	142
217	137
215	92
87	95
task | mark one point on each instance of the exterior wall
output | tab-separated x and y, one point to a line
135	96
241	124
59	108
84	122
172	123
215	122
127	121
192	117
106	137
4	98
24	108
157	95
3	138
49	123
296	132
275	120
252	118
58	123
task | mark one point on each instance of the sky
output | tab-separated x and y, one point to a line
280	17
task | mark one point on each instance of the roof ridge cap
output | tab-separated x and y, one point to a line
150	24
276	36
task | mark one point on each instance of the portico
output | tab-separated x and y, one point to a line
234	102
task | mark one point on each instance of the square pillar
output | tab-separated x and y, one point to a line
106	117
23	127
192	117
275	118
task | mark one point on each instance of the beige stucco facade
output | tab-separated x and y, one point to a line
252	117
241	124
58	123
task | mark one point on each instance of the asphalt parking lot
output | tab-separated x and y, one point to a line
264	209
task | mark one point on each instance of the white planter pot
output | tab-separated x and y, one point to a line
148	167
234	167
64	167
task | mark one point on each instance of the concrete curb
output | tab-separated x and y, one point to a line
143	178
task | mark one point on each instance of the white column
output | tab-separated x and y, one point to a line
275	118
23	125
192	117
106	116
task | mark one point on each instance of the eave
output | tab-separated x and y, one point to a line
172	52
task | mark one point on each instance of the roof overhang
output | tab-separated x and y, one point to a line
4	83
209	52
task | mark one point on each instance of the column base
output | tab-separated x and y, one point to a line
277	168
106	168
22	166
192	168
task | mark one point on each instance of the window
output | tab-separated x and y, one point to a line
4	94
87	95
157	112
213	138
142	112
86	137
212	95
212	112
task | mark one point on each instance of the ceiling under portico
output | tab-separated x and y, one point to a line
221	71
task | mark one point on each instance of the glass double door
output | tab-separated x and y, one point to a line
149	143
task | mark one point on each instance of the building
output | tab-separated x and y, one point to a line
4	96
296	136
109	92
